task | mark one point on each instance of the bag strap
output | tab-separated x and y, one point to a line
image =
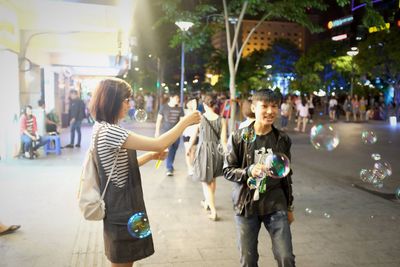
212	127
113	166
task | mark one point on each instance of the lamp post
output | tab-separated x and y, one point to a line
353	52
184	26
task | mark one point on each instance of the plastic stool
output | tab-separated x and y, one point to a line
50	148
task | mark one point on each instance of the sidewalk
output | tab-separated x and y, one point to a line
362	229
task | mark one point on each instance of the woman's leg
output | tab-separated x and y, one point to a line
305	120
209	195
188	158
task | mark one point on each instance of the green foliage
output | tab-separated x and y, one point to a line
379	54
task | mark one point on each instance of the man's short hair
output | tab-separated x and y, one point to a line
40	102
266	95
73	91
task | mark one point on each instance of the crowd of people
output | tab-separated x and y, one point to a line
210	149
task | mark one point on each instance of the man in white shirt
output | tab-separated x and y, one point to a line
332	108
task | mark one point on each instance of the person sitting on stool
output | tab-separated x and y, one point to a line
29	133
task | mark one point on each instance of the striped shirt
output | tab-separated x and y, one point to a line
110	141
29	125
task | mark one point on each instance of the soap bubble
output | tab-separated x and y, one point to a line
138	225
248	135
140	115
278	165
220	149
384	168
324	137
327	215
369	137
252	183
366	175
376	156
377	183
308	211
397	193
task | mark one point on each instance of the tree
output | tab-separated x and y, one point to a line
290	10
379	56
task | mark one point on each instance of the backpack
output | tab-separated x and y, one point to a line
90	198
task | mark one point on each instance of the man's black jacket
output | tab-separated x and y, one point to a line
239	159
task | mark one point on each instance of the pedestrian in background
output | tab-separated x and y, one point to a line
187	133
209	159
124	195
247	113
348	108
76	114
333	106
169	116
303	115
285	109
31	140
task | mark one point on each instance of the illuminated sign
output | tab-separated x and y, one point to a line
9	32
381	28
339	37
340	22
355	6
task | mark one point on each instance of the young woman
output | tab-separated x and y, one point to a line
187	133
29	134
124	196
208	162
303	115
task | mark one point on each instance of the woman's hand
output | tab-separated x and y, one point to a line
192	118
160	155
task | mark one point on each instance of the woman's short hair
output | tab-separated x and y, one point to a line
107	99
246	109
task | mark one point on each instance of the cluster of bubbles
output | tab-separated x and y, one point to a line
376	175
138	225
140	115
381	170
309	211
369	137
324	137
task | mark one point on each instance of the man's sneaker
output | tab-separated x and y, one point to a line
170	173
77	145
69	146
27	155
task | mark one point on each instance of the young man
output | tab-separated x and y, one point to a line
272	205
168	116
76	115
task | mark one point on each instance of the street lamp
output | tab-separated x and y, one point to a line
353	52
184	26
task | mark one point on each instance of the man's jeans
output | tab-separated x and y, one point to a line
171	155
278	227
76	126
27	141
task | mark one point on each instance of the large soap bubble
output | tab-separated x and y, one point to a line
324	137
277	165
138	225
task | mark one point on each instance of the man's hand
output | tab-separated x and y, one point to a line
257	170
290	216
